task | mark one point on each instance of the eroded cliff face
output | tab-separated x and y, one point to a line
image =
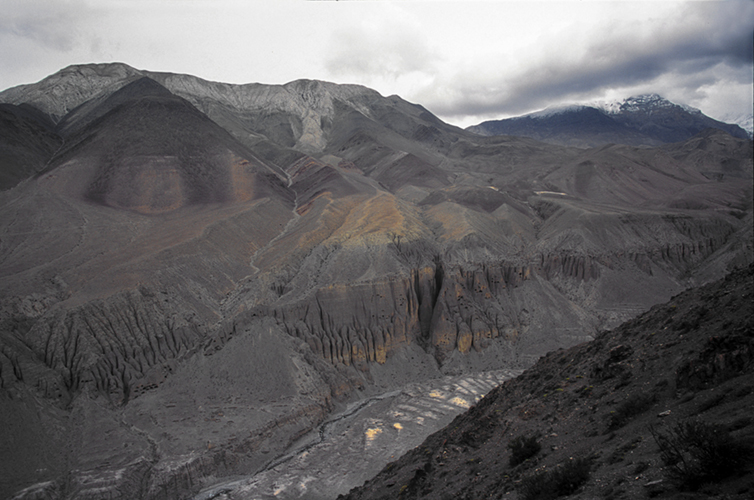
439	310
119	347
463	307
584	279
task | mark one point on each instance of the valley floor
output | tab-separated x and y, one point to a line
352	446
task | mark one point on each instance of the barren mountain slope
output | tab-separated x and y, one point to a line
204	272
27	141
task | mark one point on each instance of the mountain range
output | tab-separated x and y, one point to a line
644	120
197	276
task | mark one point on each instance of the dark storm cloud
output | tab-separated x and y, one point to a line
688	49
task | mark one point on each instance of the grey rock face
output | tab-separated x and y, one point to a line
60	93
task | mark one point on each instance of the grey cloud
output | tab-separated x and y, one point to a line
707	35
388	50
50	23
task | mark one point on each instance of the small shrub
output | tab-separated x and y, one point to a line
624	379
561	481
619	453
743	392
640	467
585	391
740	423
710	403
696	453
523	448
631	407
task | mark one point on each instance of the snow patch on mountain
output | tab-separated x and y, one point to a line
633	104
609	107
556	110
643	102
745	121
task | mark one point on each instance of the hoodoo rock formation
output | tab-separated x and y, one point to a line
195	275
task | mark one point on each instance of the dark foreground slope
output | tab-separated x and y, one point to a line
594	409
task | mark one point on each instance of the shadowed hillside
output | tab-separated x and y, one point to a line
27	142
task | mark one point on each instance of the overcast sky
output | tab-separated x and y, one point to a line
465	61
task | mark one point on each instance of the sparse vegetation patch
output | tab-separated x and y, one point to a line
696	453
628	409
523	448
561	481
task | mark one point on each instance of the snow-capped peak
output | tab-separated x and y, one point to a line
556	110
643	102
633	104
609	107
646	100
745	121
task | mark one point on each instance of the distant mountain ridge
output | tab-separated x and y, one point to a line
310	101
643	120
